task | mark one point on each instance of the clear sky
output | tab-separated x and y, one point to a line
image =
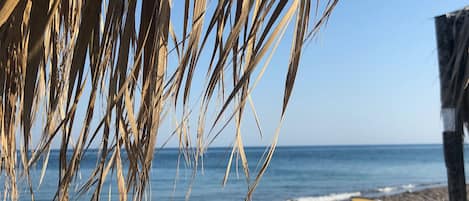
370	77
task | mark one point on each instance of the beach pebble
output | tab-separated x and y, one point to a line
432	194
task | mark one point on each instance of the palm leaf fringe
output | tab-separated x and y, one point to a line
56	55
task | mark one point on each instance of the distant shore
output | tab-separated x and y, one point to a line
430	194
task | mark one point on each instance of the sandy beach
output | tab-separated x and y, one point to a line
431	194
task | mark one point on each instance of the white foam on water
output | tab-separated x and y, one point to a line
408	186
385	189
330	197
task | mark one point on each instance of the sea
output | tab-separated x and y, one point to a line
296	173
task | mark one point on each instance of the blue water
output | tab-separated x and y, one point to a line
296	173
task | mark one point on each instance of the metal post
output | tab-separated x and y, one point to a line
452	72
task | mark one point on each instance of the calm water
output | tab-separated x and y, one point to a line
318	173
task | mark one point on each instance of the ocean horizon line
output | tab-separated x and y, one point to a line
297	146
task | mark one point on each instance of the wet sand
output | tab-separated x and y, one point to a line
431	194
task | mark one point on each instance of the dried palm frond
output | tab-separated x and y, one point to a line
59	54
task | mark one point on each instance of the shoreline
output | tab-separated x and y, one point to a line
427	194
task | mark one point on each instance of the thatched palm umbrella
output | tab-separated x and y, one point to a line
57	54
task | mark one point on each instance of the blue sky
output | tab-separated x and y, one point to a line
370	77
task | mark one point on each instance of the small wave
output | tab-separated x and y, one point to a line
330	197
386	189
408	186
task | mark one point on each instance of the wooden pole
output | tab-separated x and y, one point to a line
448	29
